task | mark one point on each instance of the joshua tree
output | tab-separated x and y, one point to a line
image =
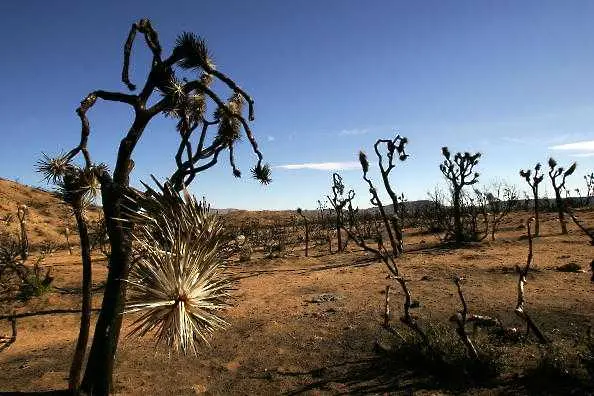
77	187
306	224
185	98
589	188
395	151
533	181
554	173
338	202
459	173
67	235
22	213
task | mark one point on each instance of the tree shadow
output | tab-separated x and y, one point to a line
366	376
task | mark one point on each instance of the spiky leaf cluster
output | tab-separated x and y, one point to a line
192	52
178	283
262	173
526	174
76	186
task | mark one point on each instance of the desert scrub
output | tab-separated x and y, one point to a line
445	358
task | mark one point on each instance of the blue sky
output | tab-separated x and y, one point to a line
512	79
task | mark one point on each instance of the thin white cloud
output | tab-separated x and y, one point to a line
325	166
514	140
586	145
354	131
270	138
582	155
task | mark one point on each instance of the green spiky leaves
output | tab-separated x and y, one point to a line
193	52
262	173
77	186
178	282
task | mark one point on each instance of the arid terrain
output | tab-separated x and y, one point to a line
311	324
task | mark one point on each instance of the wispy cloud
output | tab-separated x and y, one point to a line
354	131
582	155
514	140
325	166
270	138
586	145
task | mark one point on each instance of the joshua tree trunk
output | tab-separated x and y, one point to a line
338	235
85	320
536	212
67	234
561	212
98	374
458	232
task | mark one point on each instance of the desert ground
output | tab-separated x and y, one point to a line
312	325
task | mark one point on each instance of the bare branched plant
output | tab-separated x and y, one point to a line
533	181
459	172
22	214
396	151
184	80
522	280
499	201
306	226
555	173
338	200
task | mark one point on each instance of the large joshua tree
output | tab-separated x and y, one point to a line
533	181
459	172
184	80
555	173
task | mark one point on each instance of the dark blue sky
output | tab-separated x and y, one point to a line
508	78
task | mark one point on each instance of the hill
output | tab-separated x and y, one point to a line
48	215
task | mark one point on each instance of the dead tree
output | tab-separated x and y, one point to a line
555	173
306	225
22	214
500	199
185	98
338	202
522	280
533	181
459	173
388	255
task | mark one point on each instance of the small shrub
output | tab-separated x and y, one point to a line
570	267
36	283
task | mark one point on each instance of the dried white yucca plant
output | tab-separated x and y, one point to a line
177	282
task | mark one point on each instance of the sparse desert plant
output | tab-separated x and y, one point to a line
186	99
460	173
555	173
338	200
36	282
67	236
533	181
589	193
22	214
396	151
306	226
522	280
499	201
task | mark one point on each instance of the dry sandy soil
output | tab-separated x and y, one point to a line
284	339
